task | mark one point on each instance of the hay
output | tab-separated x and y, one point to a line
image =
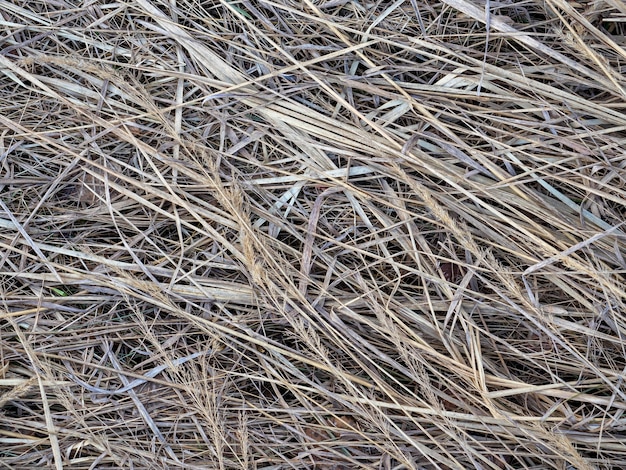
326	235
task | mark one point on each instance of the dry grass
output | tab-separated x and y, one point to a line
332	235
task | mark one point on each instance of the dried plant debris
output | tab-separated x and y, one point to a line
320	234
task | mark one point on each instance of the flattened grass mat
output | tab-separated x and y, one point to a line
319	234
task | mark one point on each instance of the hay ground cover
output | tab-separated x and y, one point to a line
324	234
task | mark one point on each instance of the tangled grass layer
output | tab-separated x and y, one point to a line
278	234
